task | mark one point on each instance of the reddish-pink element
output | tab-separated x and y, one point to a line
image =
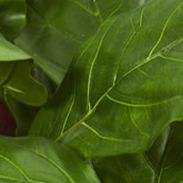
7	122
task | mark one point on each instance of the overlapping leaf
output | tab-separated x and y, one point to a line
56	30
162	164
127	84
125	169
23	115
15	75
38	160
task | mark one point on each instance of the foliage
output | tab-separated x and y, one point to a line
95	87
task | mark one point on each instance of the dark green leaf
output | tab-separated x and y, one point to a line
125	169
12	17
22	114
140	168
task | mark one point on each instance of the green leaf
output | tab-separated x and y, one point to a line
36	160
23	87
10	52
141	168
127	84
22	114
171	166
125	169
15	75
56	30
12	17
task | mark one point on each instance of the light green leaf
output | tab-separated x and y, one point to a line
37	160
23	87
127	84
10	52
56	30
15	75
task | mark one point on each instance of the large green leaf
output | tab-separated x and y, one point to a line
12	17
127	84
162	164
56	29
15	75
36	160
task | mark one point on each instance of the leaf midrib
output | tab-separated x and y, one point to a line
90	112
151	56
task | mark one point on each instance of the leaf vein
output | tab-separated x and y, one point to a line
82	7
67	115
164	30
98	134
146	135
171	59
94	61
98	12
16	167
141	105
56	166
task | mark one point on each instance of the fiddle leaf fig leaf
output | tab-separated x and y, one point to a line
55	31
113	71
39	160
125	169
15	75
141	168
127	84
